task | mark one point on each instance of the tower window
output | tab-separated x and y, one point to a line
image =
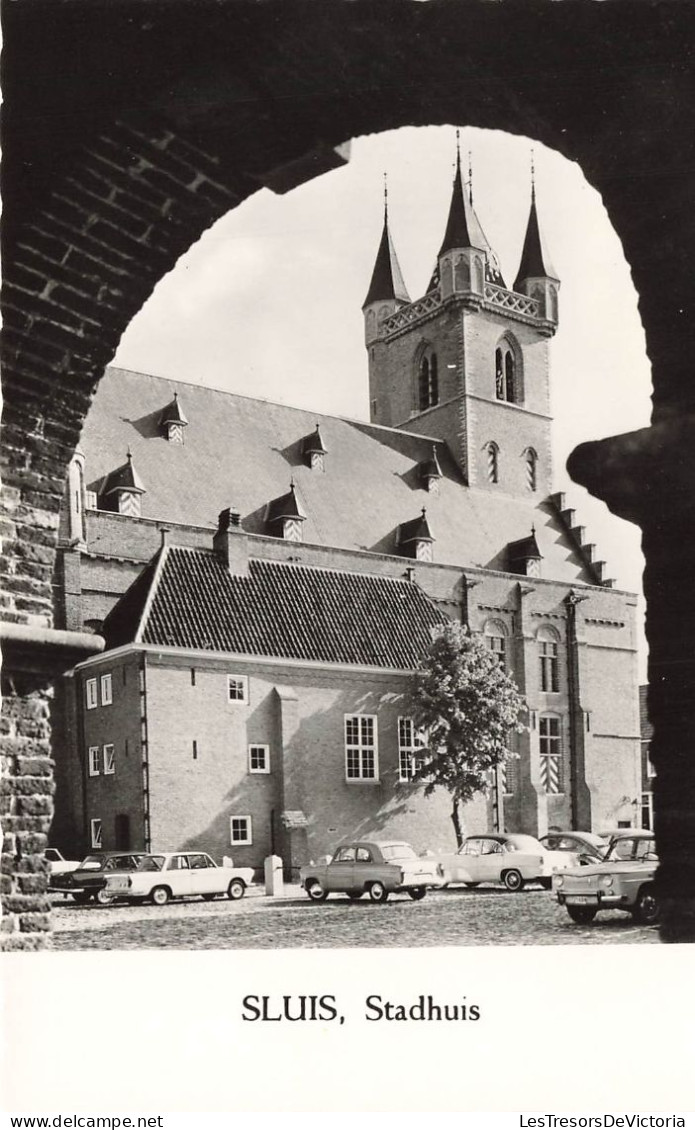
493	462
531	469
428	382
507	382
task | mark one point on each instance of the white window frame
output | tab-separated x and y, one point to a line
90	690
94	757
647	807
109	760
248	838
266	758
407	749
95	833
106	690
242	682
361	748
554	751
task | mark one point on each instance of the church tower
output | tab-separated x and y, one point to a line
468	362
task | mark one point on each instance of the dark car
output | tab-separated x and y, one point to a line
88	881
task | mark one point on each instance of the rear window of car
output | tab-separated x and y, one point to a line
151	863
92	863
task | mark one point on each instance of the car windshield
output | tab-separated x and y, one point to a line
398	851
151	863
631	847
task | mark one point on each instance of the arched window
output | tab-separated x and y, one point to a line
493	462
531	469
496	640
548	652
428	381
507	374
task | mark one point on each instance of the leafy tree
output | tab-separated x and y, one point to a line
465	704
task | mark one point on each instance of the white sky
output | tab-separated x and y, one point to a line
268	302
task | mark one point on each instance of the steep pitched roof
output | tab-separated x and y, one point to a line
463	229
279	611
387	280
535	263
243	452
124	477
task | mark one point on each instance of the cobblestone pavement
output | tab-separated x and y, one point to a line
454	917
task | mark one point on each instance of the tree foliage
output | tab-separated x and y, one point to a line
466	705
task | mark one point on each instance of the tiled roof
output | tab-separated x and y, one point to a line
124	477
279	610
242	452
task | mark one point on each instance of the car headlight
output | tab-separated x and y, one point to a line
606	880
558	880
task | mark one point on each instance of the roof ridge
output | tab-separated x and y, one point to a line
210	552
149	599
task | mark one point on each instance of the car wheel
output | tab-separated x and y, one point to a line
582	915
209	898
418	893
646	909
471	886
354	895
236	889
81	897
160	896
513	880
315	891
103	897
378	892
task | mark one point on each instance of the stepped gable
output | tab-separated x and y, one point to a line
190	600
250	449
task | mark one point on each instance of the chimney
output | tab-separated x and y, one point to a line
230	543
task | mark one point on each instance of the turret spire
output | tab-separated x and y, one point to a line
463	230
387	281
535	263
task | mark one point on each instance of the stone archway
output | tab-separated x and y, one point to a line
141	125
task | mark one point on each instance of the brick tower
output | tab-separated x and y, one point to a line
468	362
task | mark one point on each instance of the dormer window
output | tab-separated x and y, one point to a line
122	490
173	421
313	451
428	381
431	472
525	557
284	517
415	538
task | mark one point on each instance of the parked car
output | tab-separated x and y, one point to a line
370	867
623	881
161	876
58	865
510	858
88	880
587	846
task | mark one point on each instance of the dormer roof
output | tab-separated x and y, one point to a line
416	530
173	413
124	477
387	281
524	550
429	468
287	506
313	444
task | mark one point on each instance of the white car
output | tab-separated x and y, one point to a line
161	876
510	858
58	865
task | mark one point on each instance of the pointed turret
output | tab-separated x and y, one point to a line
387	292
122	489
415	538
466	260
172	420
536	276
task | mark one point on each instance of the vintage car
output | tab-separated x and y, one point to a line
161	876
88	881
58	865
512	859
587	846
370	867
623	881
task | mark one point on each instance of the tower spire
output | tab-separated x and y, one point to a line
387	280
535	263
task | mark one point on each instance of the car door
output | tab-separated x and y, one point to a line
177	875
466	863
491	861
340	873
367	868
204	875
